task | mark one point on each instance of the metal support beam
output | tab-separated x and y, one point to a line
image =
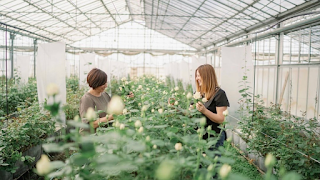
314	21
303	7
34	57
105	7
12	36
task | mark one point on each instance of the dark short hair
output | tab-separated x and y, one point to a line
96	77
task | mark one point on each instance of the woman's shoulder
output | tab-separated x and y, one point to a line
105	94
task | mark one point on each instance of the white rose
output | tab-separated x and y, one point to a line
203	121
197	95
204	100
210	167
125	111
270	160
160	111
123	79
116	124
189	95
140	130
166	170
183	125
43	165
164	92
152	110
176	103
204	154
120	88
154	146
122	126
139	104
226	112
176	88
224	171
137	124
144	108
209	128
148	138
91	114
176	94
178	146
140	87
115	106
52	89
148	89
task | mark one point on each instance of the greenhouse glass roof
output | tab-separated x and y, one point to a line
196	23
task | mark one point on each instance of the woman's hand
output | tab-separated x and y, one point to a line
200	107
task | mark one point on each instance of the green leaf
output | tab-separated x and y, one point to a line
292	176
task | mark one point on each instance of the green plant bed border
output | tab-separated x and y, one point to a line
35	152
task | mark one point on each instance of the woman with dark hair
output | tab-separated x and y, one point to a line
96	97
215	102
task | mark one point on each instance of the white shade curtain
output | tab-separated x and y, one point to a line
51	57
87	62
236	61
23	68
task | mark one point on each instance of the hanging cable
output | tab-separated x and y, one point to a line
7	105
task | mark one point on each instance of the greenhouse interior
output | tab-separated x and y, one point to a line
160	89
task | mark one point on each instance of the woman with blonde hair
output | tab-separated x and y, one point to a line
215	101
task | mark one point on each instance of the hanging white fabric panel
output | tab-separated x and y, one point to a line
104	65
68	68
234	59
184	72
87	63
23	68
51	57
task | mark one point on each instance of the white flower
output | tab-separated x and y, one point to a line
204	100
226	112
123	79
203	121
77	118
176	103
91	114
210	167
176	94
224	171
139	104
140	129
197	95
124	111
148	138
204	154
148	89
189	95
140	87
152	110
152	103
209	128
144	108
166	170
137	124
116	124
164	92
142	97
126	82
120	88
183	93
52	89
43	165
176	88
178	146
115	106
154	146
160	111
183	125
270	160
122	126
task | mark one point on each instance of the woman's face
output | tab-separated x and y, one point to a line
102	88
198	78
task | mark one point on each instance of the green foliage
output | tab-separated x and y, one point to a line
271	130
28	129
19	96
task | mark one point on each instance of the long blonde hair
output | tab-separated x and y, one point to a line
209	80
